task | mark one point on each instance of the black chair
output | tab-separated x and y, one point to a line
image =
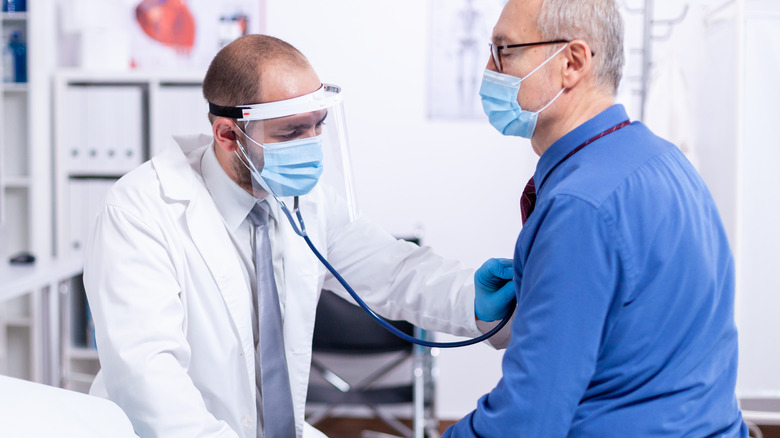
344	332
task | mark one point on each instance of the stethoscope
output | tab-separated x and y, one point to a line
302	232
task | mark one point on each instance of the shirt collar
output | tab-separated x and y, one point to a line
606	119
233	202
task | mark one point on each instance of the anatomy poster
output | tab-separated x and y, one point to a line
186	34
458	35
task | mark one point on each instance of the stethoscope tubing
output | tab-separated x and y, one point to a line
425	343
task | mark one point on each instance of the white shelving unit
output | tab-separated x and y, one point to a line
29	333
15	172
25	180
146	109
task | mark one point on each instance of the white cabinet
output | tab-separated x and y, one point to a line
19	346
29	332
25	187
105	125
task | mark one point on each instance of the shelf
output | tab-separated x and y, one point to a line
78	377
95	175
83	353
18	280
17	182
15	87
13	16
18	322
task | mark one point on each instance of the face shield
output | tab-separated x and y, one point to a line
292	146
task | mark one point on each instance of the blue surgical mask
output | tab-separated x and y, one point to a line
291	168
499	100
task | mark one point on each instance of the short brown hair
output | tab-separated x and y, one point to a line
233	77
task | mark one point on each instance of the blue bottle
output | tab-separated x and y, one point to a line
18	51
14	5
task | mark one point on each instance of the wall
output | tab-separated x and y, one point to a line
759	192
727	51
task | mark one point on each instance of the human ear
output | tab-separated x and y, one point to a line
224	130
579	63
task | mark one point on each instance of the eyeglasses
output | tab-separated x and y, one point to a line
495	50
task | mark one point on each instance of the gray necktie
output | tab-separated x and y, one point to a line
277	406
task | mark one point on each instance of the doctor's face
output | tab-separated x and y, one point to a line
283	129
281	80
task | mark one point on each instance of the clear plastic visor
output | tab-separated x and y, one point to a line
296	154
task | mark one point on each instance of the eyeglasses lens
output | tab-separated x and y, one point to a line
495	52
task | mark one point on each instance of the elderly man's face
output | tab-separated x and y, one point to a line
517	25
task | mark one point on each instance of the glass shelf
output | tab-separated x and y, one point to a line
19	322
18	87
13	16
83	353
17	182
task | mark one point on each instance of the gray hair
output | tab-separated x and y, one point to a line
596	21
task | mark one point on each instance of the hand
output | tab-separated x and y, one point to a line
494	289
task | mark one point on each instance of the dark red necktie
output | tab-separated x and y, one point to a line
528	199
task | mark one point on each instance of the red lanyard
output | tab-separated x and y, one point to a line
528	199
620	125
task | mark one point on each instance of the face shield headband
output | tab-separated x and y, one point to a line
326	96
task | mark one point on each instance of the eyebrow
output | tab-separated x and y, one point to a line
305	125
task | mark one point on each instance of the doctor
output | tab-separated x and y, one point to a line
203	296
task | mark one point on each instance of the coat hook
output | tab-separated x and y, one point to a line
670	24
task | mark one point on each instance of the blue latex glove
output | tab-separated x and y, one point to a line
494	289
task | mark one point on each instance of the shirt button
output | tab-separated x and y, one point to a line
245	421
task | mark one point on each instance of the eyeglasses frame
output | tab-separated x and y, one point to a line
495	51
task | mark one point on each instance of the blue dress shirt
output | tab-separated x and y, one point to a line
625	299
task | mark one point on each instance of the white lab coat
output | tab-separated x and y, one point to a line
172	308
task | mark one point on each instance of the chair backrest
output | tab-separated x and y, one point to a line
343	327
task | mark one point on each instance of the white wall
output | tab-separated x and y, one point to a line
728	53
759	192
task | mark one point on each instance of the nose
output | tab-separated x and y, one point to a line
491	65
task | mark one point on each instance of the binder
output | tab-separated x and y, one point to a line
105	129
86	199
182	110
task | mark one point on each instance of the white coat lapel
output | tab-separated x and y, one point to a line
210	237
214	244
